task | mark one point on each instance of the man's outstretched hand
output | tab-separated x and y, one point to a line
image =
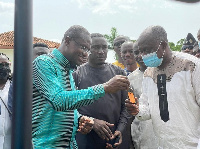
116	83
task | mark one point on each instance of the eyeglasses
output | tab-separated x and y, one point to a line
187	47
84	48
4	65
119	44
98	47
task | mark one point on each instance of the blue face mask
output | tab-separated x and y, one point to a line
152	60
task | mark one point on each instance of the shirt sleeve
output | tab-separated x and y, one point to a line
196	86
196	82
46	81
10	98
144	111
124	116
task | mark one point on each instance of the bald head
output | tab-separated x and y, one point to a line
153	35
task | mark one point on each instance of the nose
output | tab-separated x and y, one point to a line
198	55
187	50
85	54
127	54
101	50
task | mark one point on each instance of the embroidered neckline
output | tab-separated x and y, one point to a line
176	65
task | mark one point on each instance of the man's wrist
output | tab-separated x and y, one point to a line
105	86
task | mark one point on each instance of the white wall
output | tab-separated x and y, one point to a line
110	56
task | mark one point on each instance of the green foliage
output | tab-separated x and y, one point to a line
110	38
113	34
133	41
178	45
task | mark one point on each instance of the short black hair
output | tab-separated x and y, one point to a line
75	31
4	55
93	35
126	38
40	44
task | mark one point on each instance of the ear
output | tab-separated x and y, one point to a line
9	63
67	41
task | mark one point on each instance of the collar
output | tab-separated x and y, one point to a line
61	59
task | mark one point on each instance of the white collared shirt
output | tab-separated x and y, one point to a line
5	122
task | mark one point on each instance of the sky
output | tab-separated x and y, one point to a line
51	18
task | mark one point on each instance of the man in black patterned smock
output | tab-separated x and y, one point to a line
109	112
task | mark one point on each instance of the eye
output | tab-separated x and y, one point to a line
136	52
104	47
41	53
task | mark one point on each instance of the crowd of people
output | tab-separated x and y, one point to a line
80	101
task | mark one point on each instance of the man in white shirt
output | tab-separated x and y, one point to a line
5	122
141	131
170	91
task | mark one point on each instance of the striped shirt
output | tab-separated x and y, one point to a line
55	98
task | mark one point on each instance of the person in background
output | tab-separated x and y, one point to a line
109	113
130	66
5	121
55	98
128	57
197	45
188	44
38	49
196	49
117	43
170	91
141	131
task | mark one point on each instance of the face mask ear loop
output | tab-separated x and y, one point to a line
163	54
158	49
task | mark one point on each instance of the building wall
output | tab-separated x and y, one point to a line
10	54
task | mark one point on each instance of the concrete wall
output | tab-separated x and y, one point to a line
10	54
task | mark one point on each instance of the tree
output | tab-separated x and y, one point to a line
110	38
178	45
